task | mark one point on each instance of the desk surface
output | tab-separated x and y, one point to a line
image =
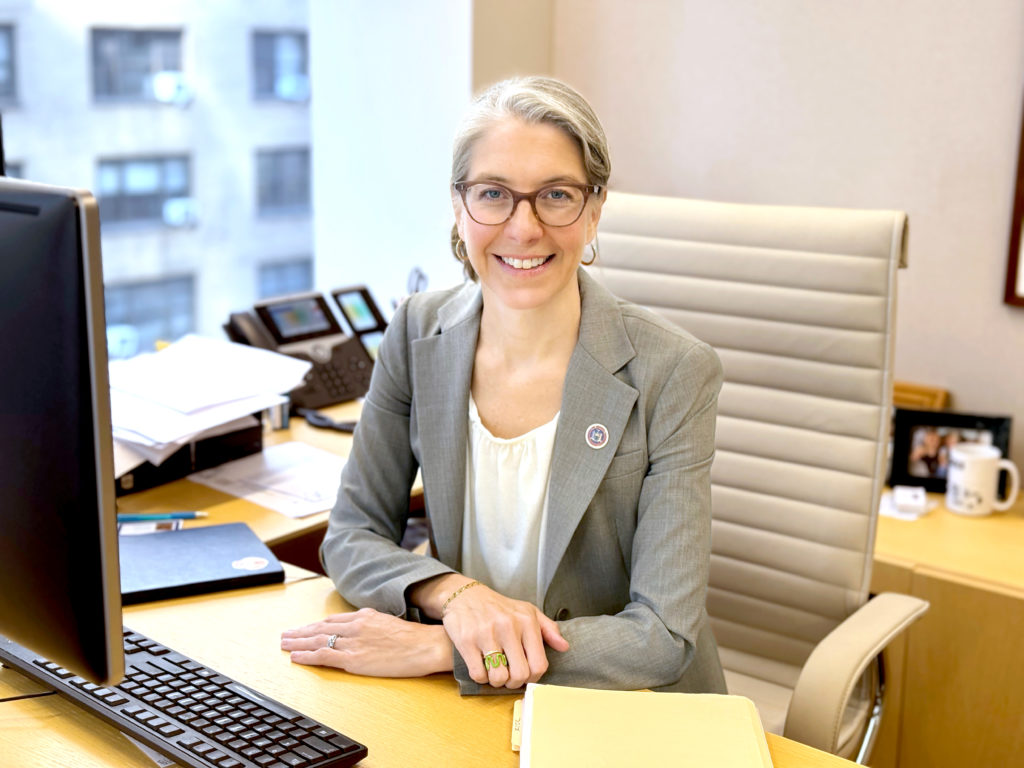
403	722
988	548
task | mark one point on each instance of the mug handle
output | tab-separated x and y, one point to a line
1011	492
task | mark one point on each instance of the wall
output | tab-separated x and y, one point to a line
913	105
510	39
390	81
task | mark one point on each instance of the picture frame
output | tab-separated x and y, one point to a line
921	441
1014	291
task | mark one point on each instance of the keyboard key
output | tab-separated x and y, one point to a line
306	752
343	743
321	746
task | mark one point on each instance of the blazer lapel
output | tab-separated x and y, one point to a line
442	372
592	396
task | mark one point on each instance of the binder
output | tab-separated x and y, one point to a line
192	561
564	726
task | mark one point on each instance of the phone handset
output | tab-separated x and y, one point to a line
244	328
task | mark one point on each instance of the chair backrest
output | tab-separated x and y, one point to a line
799	303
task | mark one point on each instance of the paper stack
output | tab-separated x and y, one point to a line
192	389
578	726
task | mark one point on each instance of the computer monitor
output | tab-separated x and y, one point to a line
59	579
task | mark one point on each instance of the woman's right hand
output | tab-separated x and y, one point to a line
480	621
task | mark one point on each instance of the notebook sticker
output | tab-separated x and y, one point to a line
250	564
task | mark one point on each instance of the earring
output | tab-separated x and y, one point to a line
593	253
460	251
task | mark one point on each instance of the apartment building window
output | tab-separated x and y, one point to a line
8	91
283	180
280	64
136	64
136	189
277	278
141	313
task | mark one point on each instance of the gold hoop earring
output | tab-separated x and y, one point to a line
593	253
460	251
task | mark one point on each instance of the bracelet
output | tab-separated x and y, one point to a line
456	593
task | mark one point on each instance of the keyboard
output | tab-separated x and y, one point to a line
193	714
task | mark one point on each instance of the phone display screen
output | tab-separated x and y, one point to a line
299	318
371	341
357	311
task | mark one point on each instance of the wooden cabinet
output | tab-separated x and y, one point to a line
957	676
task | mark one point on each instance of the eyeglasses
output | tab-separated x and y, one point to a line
556	205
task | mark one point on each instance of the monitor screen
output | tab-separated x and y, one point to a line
59	581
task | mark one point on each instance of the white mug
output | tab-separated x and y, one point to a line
973	480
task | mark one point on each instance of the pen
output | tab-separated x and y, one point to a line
143	516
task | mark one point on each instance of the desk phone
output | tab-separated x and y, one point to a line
303	325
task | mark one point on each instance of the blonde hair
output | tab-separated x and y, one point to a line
534	100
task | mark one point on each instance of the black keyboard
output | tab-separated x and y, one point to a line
193	714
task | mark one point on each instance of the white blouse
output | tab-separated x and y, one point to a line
506	506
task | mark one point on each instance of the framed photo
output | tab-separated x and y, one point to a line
922	441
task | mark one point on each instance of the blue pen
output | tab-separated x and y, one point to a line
146	516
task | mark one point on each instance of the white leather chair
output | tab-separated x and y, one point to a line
799	304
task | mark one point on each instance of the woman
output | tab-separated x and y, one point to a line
565	440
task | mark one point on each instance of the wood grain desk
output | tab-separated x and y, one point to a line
958	673
405	723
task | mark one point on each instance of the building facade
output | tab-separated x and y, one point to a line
190	122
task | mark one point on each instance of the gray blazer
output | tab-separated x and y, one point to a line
625	560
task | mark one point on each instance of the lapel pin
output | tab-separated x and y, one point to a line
597	436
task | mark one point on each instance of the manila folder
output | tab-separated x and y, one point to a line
580	726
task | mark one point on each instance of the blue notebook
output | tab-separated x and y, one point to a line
191	561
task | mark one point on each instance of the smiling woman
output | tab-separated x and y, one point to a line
564	437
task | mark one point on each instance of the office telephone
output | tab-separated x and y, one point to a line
303	325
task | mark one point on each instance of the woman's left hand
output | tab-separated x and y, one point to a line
371	643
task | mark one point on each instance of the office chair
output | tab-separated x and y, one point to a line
799	303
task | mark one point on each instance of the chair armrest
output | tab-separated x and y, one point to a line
836	664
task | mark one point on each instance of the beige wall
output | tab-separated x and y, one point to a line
510	38
914	105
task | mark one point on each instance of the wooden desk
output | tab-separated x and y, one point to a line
295	540
405	723
958	673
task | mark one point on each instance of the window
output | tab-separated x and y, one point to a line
280	65
14	170
136	64
7	90
283	180
136	189
280	277
140	314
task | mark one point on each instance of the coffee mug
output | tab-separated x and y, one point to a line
973	480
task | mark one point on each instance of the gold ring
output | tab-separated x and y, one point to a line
495	659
